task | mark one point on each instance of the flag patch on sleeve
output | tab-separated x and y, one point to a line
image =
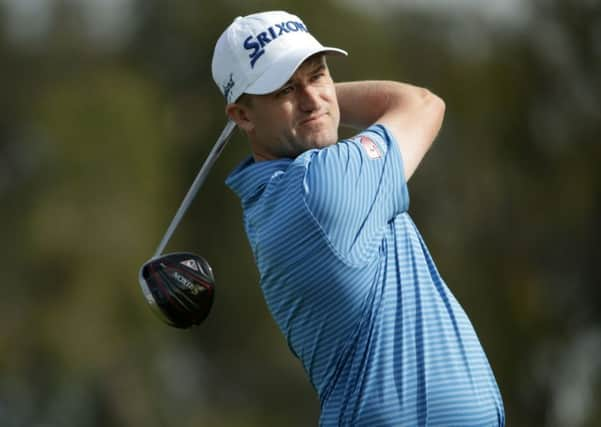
370	147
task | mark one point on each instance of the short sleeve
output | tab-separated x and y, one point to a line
355	188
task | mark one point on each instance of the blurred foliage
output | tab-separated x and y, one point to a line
99	142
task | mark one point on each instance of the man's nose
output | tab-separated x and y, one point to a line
309	98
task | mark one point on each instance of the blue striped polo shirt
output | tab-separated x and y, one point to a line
348	279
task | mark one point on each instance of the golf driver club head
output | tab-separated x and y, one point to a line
179	287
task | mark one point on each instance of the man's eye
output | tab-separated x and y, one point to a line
285	91
318	76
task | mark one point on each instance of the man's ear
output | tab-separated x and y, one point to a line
239	114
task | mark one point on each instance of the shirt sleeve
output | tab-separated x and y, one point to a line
354	189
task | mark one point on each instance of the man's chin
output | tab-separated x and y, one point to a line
322	139
328	140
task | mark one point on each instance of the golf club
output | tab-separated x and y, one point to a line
180	287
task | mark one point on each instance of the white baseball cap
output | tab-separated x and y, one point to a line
258	53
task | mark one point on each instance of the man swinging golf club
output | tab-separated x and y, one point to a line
343	269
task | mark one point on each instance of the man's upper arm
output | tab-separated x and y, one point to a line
354	188
414	124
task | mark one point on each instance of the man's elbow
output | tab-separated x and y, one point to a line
435	102
436	108
440	105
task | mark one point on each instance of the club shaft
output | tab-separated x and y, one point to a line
198	181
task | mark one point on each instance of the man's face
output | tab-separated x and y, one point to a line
301	115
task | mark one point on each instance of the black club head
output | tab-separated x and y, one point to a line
179	288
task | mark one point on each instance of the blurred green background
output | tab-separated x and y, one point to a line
107	110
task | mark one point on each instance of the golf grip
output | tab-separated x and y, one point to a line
198	181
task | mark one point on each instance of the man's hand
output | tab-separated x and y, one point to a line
412	114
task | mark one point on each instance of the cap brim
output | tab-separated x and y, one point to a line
281	71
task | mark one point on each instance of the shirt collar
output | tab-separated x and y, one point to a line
249	177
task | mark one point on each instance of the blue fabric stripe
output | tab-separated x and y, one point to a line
353	288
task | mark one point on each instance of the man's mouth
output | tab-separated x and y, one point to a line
312	119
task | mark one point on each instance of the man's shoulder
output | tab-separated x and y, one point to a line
251	177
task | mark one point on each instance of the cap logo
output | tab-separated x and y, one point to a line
257	44
227	88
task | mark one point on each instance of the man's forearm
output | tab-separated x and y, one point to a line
412	114
362	103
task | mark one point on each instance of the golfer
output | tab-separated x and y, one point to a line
343	269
